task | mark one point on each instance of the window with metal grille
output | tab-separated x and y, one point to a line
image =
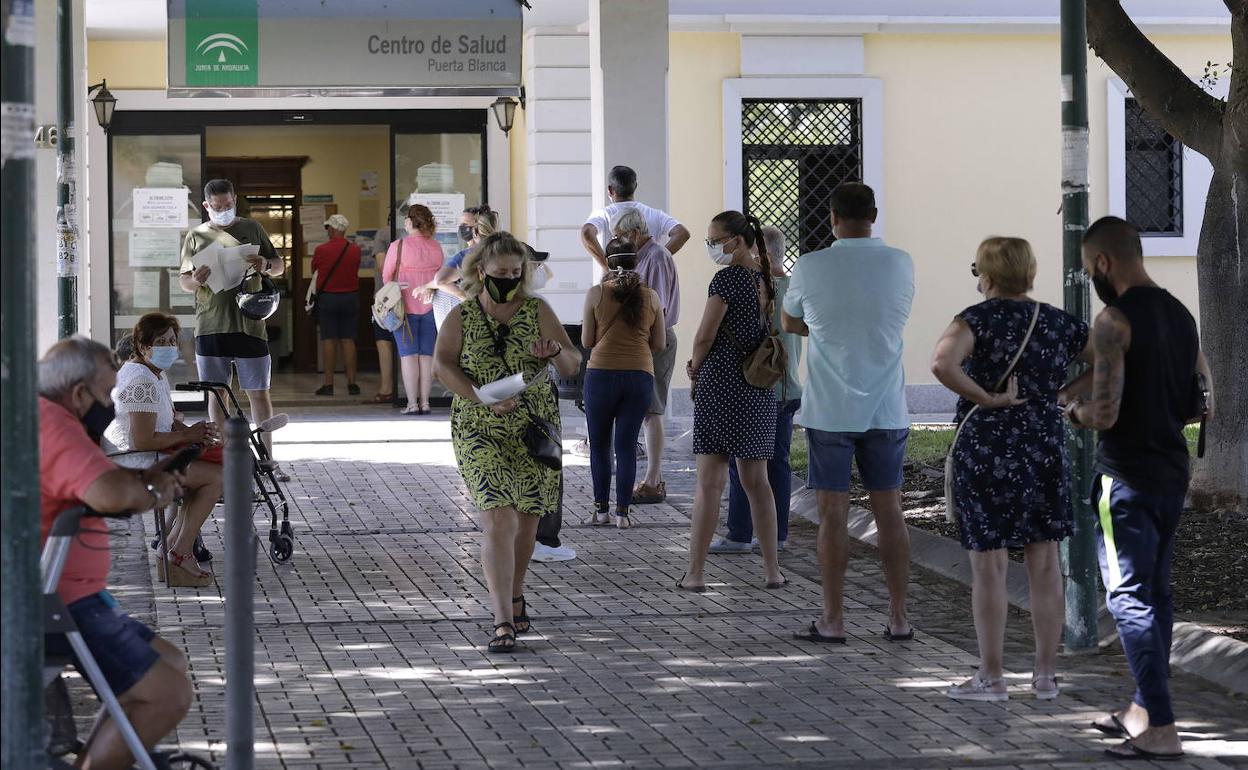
793	153
1154	170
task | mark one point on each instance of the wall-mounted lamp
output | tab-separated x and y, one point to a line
504	109
104	104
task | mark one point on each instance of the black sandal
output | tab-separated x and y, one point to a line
523	618
504	643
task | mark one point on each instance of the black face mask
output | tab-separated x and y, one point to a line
466	232
502	290
97	419
1104	289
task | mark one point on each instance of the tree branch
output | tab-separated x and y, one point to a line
1177	104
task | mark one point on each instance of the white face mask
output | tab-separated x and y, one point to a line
718	255
221	218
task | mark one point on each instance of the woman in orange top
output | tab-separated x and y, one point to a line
624	325
413	262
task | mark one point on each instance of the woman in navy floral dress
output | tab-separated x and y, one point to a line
1011	481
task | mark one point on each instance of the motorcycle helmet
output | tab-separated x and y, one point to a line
258	304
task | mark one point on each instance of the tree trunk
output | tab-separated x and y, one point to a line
1221	477
1220	133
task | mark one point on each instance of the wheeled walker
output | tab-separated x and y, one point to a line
269	490
58	621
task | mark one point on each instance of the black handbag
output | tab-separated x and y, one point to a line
1199	408
541	437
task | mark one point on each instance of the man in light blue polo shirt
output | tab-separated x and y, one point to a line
852	299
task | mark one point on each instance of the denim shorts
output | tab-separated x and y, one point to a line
419	337
880	455
121	645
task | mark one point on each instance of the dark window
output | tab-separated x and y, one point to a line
1154	175
793	153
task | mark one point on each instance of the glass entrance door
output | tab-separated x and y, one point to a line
444	171
156	193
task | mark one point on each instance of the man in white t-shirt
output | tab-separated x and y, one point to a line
621	184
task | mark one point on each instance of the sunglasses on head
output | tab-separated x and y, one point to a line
974	269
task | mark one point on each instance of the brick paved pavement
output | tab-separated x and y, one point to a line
370	649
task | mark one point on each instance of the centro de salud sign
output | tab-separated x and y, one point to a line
341	47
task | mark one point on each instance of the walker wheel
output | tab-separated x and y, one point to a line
182	761
282	548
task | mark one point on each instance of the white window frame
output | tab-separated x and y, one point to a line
869	90
1197	173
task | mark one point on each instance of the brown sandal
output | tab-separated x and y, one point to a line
380	398
185	572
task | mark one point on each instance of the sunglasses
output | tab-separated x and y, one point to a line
974	269
500	340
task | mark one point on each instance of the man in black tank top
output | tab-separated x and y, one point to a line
1139	395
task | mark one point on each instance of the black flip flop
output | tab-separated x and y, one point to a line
890	636
1116	730
812	634
696	589
1135	752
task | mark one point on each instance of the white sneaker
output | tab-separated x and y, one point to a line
546	553
781	545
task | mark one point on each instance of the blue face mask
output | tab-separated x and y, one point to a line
163	356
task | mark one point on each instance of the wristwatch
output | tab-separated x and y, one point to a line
151	490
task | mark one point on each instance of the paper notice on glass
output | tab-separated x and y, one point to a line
177	297
508	387
146	289
227	264
314	233
312	215
446	209
161	207
155	248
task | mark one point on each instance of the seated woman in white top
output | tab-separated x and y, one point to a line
146	426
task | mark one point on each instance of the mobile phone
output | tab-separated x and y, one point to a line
182	460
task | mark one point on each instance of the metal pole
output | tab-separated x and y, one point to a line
21	631
1079	553
239	599
66	175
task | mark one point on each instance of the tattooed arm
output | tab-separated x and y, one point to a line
1111	337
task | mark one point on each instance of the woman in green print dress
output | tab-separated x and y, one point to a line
498	332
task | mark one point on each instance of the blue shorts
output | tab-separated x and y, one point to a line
121	645
418	338
880	454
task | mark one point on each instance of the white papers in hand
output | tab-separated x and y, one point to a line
501	390
227	263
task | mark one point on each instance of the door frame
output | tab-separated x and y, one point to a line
155	112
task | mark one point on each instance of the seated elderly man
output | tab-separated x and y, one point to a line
147	673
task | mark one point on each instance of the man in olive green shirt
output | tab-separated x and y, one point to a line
223	335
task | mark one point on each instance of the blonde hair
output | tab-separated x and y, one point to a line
499	244
487	222
1009	262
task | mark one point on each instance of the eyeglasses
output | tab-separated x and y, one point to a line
717	241
974	269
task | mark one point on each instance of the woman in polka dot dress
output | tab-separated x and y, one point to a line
732	419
